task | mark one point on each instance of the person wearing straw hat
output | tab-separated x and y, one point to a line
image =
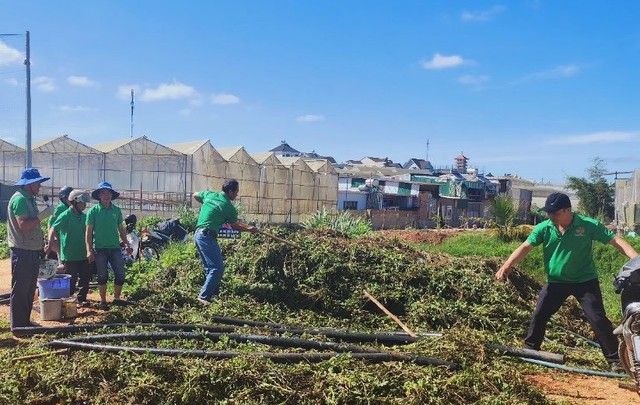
216	210
70	228
104	225
26	244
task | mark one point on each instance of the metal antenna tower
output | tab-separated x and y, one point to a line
132	104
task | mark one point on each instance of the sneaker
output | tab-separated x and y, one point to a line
617	367
84	303
119	302
203	301
104	306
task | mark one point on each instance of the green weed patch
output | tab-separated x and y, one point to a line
318	285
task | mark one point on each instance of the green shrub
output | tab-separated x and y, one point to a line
353	226
188	217
4	245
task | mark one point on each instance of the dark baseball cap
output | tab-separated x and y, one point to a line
556	202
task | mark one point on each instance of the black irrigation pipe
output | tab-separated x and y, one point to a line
331	333
43	330
4	296
530	354
383	338
276	357
5	300
238	337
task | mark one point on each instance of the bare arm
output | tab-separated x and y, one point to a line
240	226
88	238
50	239
514	259
624	247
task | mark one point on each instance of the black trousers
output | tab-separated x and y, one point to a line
588	294
81	273
25	265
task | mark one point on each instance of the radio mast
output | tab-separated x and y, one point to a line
132	104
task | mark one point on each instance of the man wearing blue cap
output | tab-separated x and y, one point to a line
26	242
104	226
567	243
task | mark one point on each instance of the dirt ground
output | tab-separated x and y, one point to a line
561	386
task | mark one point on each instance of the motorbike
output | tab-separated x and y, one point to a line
627	284
152	241
142	245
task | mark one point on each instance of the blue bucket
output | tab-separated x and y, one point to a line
57	287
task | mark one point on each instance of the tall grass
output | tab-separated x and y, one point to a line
353	226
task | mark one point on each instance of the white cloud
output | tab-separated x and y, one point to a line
597	137
45	84
82	81
12	82
310	118
70	108
10	56
558	72
471	80
224	99
482	15
444	62
173	91
124	91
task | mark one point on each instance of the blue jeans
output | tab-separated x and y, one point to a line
112	256
211	256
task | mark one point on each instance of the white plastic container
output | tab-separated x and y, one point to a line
50	309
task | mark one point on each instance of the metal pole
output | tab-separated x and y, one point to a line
27	63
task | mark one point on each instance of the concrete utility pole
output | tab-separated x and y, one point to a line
27	63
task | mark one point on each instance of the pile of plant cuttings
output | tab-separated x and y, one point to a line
309	293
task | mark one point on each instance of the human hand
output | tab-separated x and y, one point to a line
90	256
503	272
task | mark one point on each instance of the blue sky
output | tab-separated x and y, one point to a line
533	88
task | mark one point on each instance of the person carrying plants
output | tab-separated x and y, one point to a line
567	243
63	196
104	226
216	210
26	243
70	228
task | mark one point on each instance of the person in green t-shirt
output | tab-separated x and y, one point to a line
63	205
216	211
26	243
70	227
567	243
104	226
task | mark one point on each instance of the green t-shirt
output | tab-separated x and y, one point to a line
568	257
71	227
216	210
105	222
20	205
60	208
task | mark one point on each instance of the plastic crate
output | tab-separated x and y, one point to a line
57	287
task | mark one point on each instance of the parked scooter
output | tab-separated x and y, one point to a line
142	246
164	233
627	283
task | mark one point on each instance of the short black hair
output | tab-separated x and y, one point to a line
230	185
